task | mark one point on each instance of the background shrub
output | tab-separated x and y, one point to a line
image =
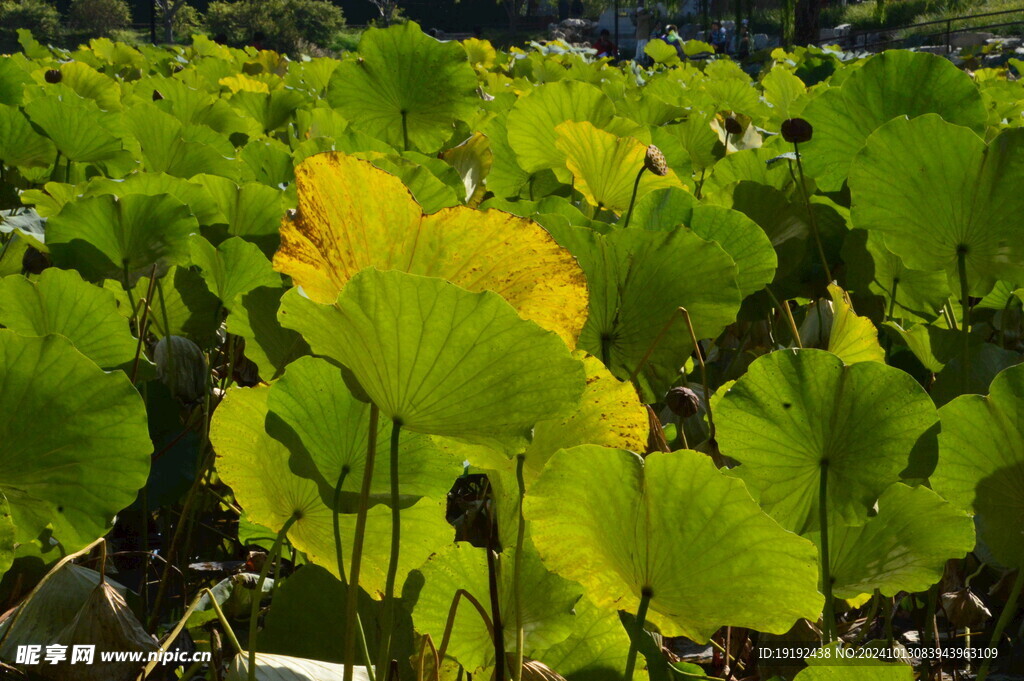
38	16
99	17
282	25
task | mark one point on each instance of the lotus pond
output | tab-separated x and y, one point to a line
441	362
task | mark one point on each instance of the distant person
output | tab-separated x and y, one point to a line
604	45
671	36
643	19
716	37
743	43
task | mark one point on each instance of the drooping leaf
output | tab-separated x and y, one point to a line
285	668
438	359
348	209
674	524
981	462
606	166
795	411
74	446
851	337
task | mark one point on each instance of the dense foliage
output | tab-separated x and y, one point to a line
667	352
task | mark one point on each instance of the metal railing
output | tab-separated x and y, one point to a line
947	31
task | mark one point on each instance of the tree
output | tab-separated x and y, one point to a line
168	10
387	10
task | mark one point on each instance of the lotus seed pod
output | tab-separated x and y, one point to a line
796	130
682	401
53	76
655	162
181	366
964	609
733	127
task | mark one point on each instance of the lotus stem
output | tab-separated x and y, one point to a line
396	536
499	631
142	328
517	596
352	593
254	610
965	306
788	313
1004	619
449	624
828	616
345	470
810	212
632	199
703	373
641	616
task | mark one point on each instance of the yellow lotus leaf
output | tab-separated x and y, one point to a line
610	414
481	53
243	83
351	215
605	166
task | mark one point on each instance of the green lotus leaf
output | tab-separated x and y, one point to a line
738	235
596	650
785	92
270	110
981	462
89	83
927	217
438	359
271	346
546	621
693	145
257	468
168	146
60	302
249	210
638	279
78	128
13	80
903	548
105	237
233	268
20	145
406	88
506	178
314	413
427	189
74	445
760	165
661	52
889	85
181	305
677	526
532	121
192	194
795	410
872	269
